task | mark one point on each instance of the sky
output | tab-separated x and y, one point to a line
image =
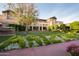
66	12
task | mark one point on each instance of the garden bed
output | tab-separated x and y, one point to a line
33	40
49	50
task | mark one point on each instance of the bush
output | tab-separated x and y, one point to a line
18	39
39	42
69	36
73	50
46	41
21	28
57	41
54	39
38	39
15	39
32	38
30	43
13	26
17	27
21	42
65	38
6	42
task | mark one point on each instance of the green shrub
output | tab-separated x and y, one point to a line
53	39
17	27
21	28
32	38
21	42
69	36
38	40
30	43
46	41
57	41
13	26
6	42
77	36
15	39
65	38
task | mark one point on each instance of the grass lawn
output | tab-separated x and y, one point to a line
45	33
3	38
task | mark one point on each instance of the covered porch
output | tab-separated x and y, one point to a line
37	28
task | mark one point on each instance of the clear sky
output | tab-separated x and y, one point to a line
63	11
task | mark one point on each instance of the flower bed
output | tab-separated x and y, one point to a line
73	50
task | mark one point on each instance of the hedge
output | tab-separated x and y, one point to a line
17	27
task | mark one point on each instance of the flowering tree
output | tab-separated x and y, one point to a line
24	13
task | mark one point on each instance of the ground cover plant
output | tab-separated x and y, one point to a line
37	39
7	44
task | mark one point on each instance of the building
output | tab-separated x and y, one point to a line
40	24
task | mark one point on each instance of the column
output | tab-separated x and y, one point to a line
38	28
42	28
32	28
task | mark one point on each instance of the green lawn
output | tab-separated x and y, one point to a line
45	33
3	38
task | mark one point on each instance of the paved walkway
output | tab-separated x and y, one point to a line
50	50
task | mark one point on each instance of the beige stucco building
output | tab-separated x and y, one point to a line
40	24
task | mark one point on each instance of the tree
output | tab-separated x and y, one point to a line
53	27
74	26
63	27
25	14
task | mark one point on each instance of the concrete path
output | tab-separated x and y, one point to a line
50	50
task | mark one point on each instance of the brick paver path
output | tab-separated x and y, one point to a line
50	50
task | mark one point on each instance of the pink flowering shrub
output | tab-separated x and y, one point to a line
73	50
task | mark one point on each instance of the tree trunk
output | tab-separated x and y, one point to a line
26	29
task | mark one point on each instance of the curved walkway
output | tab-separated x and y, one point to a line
50	50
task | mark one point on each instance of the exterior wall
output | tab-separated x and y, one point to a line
1	17
5	15
39	26
7	18
51	21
